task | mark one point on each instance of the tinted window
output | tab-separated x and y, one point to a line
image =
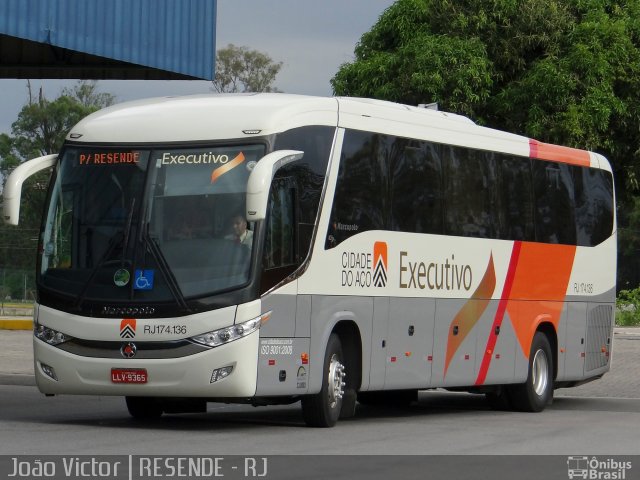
471	194
279	246
416	189
407	185
308	175
360	199
554	212
516	199
594	205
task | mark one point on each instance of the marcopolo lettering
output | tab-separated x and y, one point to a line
194	158
130	311
446	275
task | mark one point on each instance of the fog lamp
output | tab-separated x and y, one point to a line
220	373
49	371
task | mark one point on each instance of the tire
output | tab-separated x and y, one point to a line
144	408
537	391
323	408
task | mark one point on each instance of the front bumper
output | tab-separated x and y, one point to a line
188	376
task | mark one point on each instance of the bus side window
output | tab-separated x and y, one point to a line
416	188
594	205
517	207
279	256
554	213
360	203
472	206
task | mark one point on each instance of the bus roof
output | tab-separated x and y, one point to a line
212	117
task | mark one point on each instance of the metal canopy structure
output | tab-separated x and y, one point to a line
115	39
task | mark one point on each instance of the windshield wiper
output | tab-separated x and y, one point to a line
114	241
127	231
168	275
119	238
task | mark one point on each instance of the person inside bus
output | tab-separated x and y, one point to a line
240	234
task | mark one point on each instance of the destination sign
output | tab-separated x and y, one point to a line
109	158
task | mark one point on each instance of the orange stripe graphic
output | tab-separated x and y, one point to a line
541	279
470	312
557	153
497	321
218	172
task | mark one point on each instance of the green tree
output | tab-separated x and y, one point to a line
239	69
43	124
40	129
561	71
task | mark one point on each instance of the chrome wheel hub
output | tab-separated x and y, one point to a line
540	372
335	381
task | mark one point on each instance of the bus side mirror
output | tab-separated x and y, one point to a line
260	181
13	185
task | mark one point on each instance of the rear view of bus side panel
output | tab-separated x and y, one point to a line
599	338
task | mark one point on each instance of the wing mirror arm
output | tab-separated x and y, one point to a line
260	181
13	186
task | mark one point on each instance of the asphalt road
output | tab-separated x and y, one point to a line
598	418
441	423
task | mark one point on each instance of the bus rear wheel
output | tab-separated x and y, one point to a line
144	408
323	408
537	391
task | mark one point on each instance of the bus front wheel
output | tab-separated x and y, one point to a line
323	408
537	391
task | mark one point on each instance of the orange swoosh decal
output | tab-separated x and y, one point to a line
471	312
541	279
218	172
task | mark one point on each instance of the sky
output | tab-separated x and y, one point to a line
311	37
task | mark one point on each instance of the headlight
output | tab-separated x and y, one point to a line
234	332
49	335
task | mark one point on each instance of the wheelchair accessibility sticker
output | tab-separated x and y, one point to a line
143	280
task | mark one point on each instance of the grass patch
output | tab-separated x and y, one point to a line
628	308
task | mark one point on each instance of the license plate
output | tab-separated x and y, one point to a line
128	375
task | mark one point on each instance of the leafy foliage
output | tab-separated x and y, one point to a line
561	71
43	124
239	69
40	129
628	308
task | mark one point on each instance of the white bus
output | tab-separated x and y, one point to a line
388	249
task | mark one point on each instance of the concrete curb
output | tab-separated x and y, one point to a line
21	379
16	324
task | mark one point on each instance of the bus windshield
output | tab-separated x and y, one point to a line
150	225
